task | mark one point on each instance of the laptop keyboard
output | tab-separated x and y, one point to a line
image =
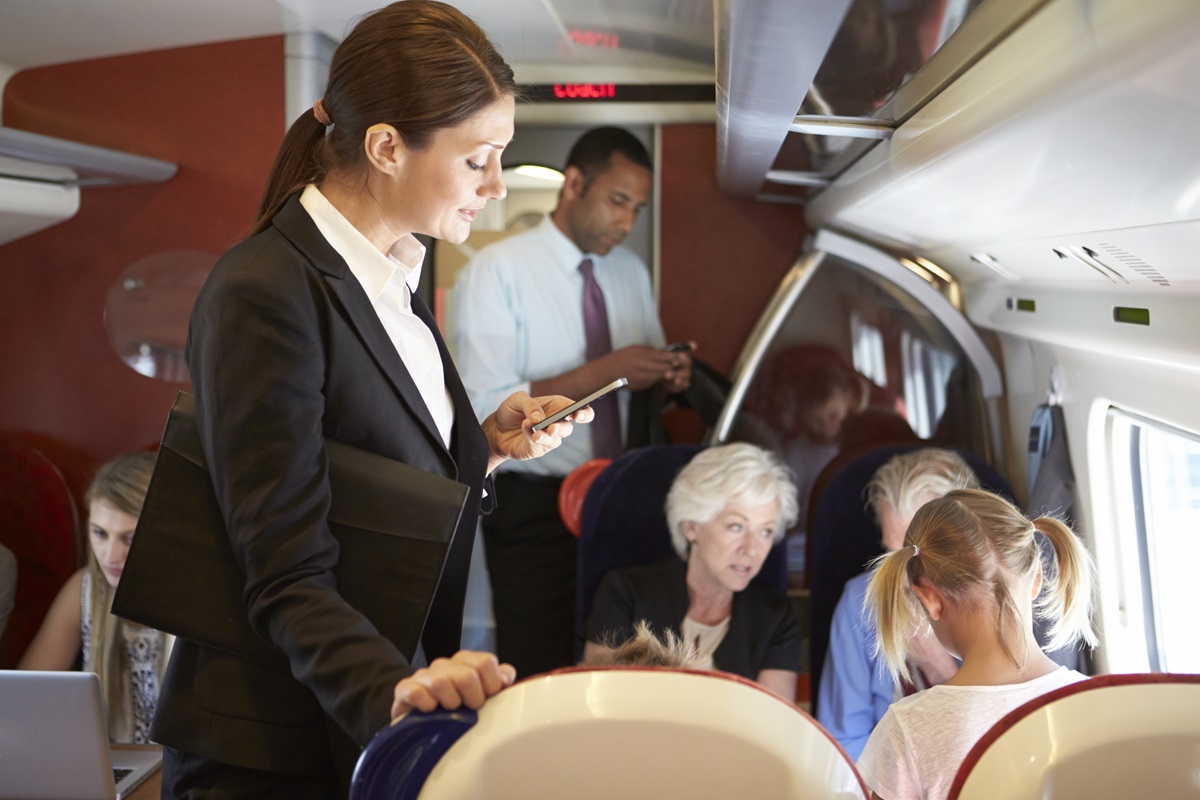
119	774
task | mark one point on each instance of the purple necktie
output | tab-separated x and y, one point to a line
606	427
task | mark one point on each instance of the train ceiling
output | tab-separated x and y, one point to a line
802	87
961	130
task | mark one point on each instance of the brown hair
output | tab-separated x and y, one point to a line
417	65
971	545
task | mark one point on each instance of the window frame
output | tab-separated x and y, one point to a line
1127	455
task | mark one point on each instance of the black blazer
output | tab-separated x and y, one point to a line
763	630
284	350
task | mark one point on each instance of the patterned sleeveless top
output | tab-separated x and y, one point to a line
143	654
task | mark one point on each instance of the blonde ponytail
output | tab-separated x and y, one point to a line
889	607
1068	593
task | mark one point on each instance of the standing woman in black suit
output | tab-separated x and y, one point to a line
312	329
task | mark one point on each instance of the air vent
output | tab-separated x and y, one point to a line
1113	263
1091	259
993	264
1132	262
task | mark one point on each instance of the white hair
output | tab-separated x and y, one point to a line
726	474
908	479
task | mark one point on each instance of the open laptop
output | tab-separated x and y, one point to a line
54	740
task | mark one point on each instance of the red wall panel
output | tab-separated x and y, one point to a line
216	111
722	257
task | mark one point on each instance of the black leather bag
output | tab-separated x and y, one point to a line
393	523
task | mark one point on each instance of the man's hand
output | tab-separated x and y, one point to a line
645	366
679	377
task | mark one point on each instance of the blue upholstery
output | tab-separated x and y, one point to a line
843	536
395	764
625	524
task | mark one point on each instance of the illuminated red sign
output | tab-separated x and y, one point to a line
585	91
595	39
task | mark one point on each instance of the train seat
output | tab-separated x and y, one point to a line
574	489
596	734
39	524
1111	736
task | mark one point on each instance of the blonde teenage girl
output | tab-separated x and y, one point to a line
970	569
130	659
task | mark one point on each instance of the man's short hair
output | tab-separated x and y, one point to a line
592	153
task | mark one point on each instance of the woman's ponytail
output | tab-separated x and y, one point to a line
297	164
889	608
1069	591
420	66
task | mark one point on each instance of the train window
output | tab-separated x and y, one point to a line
927	373
869	357
1164	510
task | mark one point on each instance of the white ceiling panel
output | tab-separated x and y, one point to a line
649	37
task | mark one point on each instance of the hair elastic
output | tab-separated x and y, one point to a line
321	114
916	551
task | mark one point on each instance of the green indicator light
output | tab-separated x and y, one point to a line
1131	316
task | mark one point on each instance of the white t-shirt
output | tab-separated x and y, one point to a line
922	740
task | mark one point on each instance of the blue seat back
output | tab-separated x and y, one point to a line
395	764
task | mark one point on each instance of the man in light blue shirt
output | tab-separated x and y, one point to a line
520	325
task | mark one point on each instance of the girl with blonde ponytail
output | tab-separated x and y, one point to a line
970	570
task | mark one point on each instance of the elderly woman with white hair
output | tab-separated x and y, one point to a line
725	509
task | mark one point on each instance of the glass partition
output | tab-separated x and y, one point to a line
854	360
147	308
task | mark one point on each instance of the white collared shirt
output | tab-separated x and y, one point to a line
389	281
519	318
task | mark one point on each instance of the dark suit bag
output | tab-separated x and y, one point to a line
393	524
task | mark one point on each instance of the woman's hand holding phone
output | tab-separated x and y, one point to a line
562	414
509	437
509	429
